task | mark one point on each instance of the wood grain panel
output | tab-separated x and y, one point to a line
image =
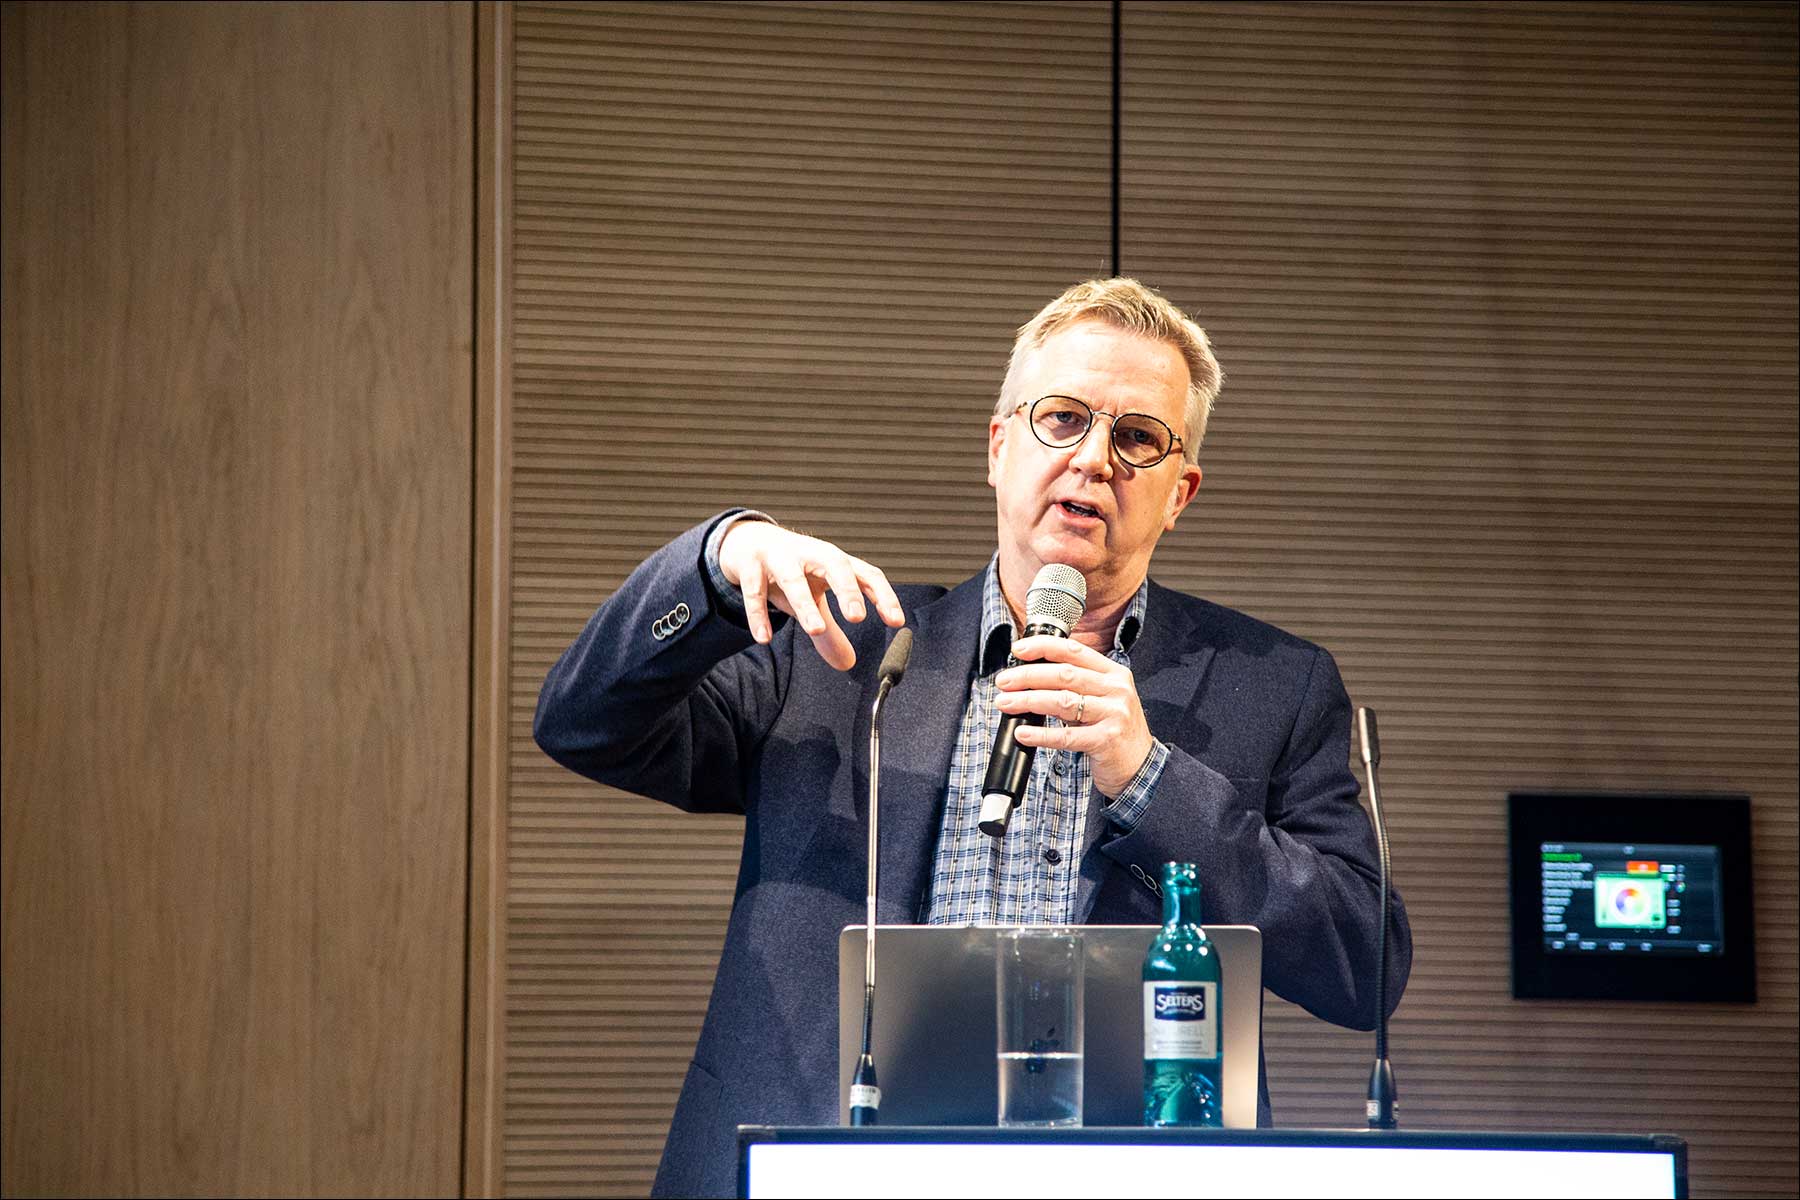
766	254
237	378
1505	295
484	1092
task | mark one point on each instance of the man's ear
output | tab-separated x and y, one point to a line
1183	493
996	440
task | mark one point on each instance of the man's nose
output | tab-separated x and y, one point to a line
1094	455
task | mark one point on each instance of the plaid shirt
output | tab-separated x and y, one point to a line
1029	876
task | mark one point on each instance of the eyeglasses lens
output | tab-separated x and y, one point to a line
1141	441
1060	421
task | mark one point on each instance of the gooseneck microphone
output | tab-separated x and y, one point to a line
865	1093
1053	606
1382	1094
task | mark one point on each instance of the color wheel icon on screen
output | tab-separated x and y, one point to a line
1629	901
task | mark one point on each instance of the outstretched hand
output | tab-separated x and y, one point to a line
772	565
1094	697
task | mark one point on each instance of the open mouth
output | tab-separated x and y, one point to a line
1079	510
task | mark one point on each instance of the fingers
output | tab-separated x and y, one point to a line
1047	675
803	596
1109	729
1089	705
1093	699
845	586
743	560
795	573
1081	738
851	579
875	583
1060	650
1073	709
755	588
804	583
834	647
794	594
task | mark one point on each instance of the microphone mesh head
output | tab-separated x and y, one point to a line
893	663
1057	597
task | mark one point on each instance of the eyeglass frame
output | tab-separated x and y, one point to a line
1175	441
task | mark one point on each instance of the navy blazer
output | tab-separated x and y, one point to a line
665	694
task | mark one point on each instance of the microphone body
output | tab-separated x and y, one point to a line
1009	765
865	1091
1053	606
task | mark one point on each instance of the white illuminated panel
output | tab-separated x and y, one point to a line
1044	1171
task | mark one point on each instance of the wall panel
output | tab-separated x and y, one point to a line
766	254
1505	296
236	597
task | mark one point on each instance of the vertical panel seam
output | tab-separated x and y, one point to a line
477	145
1118	16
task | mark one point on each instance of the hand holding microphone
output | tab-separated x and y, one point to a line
1095	698
1053	607
1051	675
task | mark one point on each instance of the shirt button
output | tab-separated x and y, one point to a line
1053	856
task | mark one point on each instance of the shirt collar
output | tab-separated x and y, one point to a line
998	631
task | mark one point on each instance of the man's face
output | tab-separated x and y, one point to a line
1082	505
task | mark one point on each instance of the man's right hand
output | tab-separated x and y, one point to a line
769	564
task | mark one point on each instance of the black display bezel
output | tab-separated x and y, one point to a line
1704	819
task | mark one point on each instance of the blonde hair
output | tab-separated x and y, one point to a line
1128	305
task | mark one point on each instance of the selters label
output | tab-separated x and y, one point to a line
1181	1019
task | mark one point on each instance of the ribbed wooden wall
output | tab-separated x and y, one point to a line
1506	301
1506	298
766	254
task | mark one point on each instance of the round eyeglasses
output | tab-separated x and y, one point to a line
1139	439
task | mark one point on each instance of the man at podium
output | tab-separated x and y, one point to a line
733	672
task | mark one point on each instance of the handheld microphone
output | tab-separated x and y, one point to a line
865	1093
1383	1096
1054	606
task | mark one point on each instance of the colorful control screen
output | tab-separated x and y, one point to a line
1624	898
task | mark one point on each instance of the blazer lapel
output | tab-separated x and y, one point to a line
919	728
1168	661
